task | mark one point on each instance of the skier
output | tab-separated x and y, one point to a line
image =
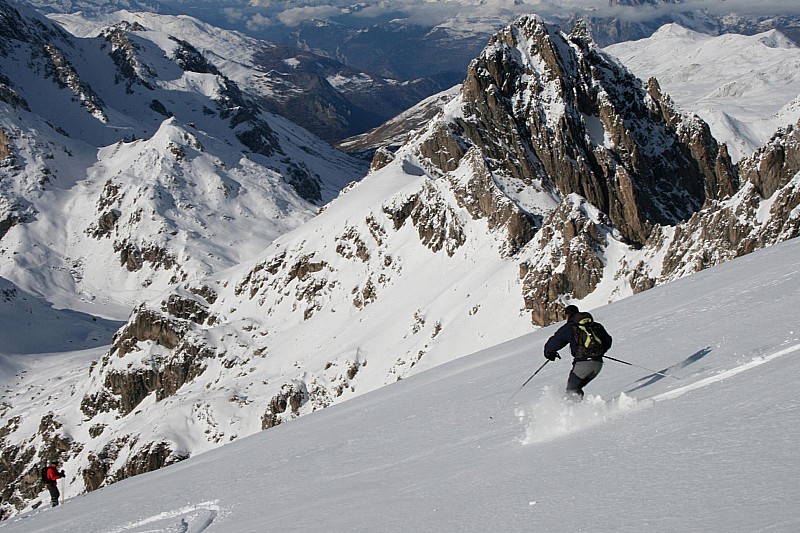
52	475
588	341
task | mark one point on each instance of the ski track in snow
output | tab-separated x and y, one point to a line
190	519
669	395
553	416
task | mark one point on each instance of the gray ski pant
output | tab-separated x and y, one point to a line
582	373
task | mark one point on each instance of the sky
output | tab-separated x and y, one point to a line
462	448
290	13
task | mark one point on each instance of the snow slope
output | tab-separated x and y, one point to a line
744	86
141	150
711	448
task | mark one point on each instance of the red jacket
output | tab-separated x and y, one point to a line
53	474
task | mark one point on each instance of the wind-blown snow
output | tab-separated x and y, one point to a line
710	448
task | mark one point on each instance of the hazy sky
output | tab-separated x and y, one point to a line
287	12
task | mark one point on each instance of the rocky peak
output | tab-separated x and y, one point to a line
771	166
558	114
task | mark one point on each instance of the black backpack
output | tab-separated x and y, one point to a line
588	339
43	473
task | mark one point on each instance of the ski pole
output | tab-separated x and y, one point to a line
520	388
642	367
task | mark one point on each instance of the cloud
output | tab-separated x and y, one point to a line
258	22
430	13
233	15
763	8
296	15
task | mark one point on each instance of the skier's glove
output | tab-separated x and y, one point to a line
551	356
62	474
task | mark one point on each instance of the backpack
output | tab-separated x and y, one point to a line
588	337
43	474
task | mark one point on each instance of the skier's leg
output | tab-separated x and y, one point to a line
52	488
574	386
582	373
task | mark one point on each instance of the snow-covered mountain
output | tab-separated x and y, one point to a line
326	97
130	162
744	87
710	448
554	176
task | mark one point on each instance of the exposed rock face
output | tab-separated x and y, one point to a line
5	148
554	112
10	96
123	52
771	167
479	195
124	388
60	69
100	470
763	212
381	158
567	262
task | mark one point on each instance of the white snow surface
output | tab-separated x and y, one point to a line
744	86
461	447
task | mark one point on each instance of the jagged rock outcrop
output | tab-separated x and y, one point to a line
476	191
124	54
5	148
124	387
65	75
761	213
10	96
567	263
771	167
439	227
152	456
554	112
381	158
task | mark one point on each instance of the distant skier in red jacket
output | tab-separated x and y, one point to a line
52	475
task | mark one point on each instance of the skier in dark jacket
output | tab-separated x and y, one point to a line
586	364
52	475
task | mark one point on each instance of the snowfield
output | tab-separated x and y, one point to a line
744	86
711	447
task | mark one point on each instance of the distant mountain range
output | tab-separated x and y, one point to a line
407	40
326	97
